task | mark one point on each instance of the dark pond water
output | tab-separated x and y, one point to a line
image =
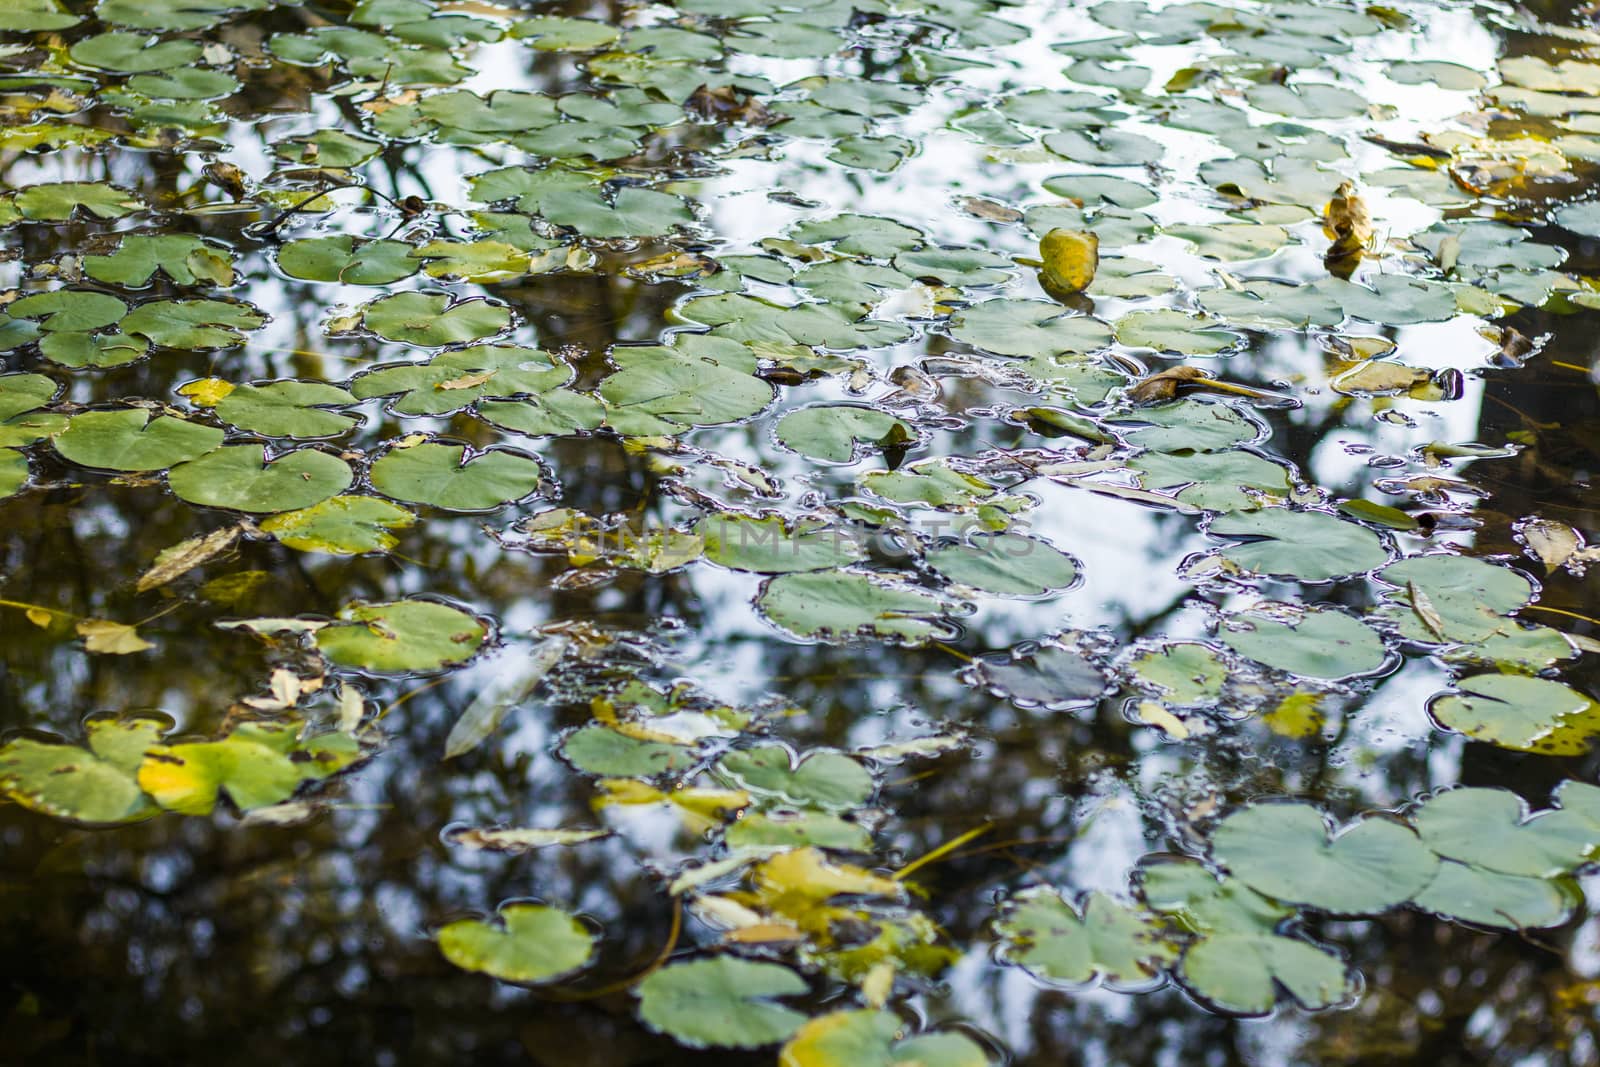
837	533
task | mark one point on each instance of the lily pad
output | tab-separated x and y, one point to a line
411	635
128	439
874	1038
1286	851
257	765
841	604
443	475
1517	712
838	432
1005	564
341	526
722	1002
241	478
828	781
97	784
1312	546
1316	642
434	319
1066	941
531	944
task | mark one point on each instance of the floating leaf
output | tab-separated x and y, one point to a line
240	477
59	201
343	259
410	635
1517	712
97	784
443	475
1316	642
1242	957
1490	829
830	781
258	764
193	323
872	1038
1312	546
433	319
531	944
1005	564
287	409
128	439
840	604
1059	939
837	432
1027	328
1285	850
722	1002
341	526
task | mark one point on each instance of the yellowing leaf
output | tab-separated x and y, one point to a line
185	556
1070	259
206	392
113	638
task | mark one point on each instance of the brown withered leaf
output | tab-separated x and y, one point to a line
1348	224
727	104
1164	385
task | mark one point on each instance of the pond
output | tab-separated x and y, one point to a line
833	533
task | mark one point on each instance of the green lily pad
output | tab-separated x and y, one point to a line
96	784
1180	672
1517	712
764	830
240	478
837	605
13	472
407	636
20	393
66	309
287	409
1454	598
1005	564
1315	642
1234	480
837	433
346	260
1490	829
597	749
444	476
1027	328
187	260
1285	851
455	379
1066	941
1166	330
531	944
1243	956
1490	898
128	439
721	1002
434	319
36	16
772	546
193	323
59	201
662	390
826	780
1312	546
